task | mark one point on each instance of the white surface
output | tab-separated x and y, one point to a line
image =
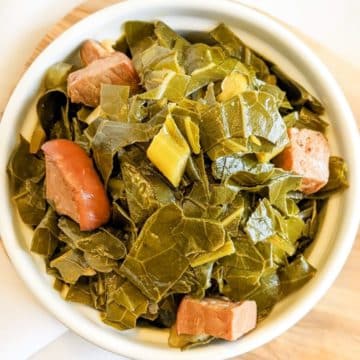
337	27
25	326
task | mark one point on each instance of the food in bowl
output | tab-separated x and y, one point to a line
173	183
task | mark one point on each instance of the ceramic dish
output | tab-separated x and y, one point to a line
339	224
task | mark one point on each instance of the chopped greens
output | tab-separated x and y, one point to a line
197	205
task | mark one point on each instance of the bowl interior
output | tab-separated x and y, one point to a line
338	224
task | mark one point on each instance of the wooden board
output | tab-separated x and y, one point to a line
332	329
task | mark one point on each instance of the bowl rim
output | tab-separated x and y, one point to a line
86	328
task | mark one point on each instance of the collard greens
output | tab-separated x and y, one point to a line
197	205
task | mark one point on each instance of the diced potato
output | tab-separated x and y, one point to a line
169	151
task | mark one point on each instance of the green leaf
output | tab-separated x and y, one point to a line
211	256
30	202
276	92
139	35
168	37
220	122
273	183
79	293
169	141
236	48
167	312
297	94
165	241
172	86
309	214
140	194
213	72
262	223
310	120
338	174
279	187
229	146
112	136
187	341
137	110
200	56
156	261
239	168
159	58
114	101
100	263
71	266
122	219
101	242
262	117
198	236
295	275
124	306
23	166
239	274
53	113
305	119
267	224
45	237
56	75
121	44
267	294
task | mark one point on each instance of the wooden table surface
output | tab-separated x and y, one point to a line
332	329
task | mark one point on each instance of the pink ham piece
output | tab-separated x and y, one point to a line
215	317
308	155
73	185
83	85
92	50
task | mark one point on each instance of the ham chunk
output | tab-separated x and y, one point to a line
84	84
307	155
92	50
219	318
73	186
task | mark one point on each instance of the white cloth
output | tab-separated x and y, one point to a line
27	330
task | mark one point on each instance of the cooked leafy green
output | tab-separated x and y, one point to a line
114	101
140	194
53	113
24	166
297	94
56	76
124	305
71	266
169	140
155	250
305	118
295	275
337	178
76	293
236	48
45	237
197	206
113	136
30	202
187	341
102	242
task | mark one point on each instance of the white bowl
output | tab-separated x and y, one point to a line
340	223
